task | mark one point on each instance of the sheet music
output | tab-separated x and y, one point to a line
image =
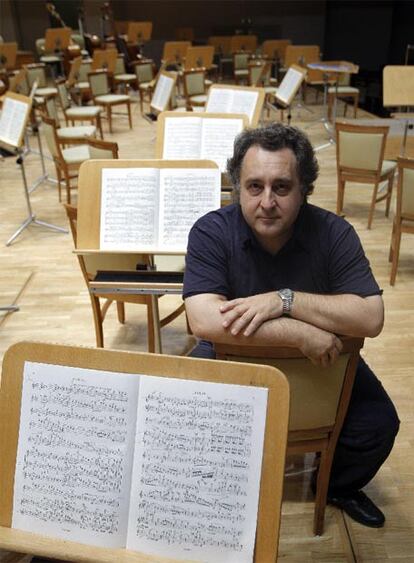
129	208
219	100
185	195
74	454
182	138
196	474
244	102
162	92
289	86
12	121
227	100
217	139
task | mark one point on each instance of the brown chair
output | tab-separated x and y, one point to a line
319	399
102	96
91	114
195	88
404	216
344	91
68	135
241	66
145	76
360	158
67	161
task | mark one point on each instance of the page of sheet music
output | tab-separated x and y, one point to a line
244	102
129	208
217	139
12	121
289	86
162	92
219	100
185	195
182	138
197	466
74	456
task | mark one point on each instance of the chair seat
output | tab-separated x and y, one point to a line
76	155
199	99
270	90
76	132
112	98
145	85
208	83
46	92
388	166
241	72
343	90
49	59
125	77
83	111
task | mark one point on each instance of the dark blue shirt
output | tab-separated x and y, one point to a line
324	255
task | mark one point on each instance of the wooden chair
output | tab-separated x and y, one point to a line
145	76
67	161
122	78
360	158
319	399
344	92
195	88
102	96
241	66
37	73
72	114
404	216
68	135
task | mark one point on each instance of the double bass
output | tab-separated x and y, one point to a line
73	50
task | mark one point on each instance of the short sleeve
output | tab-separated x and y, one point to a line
349	268
207	258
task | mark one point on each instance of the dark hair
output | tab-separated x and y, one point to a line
274	137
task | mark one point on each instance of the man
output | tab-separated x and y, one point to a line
272	269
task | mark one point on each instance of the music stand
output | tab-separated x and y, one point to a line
104	59
8	55
199	57
175	52
398	90
288	89
243	43
223	98
162	94
13	121
139	32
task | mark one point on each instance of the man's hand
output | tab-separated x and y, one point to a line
247	314
320	346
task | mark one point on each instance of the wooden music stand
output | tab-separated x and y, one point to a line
13	122
138	32
398	91
243	43
162	93
275	49
8	55
104	58
57	39
175	51
256	102
199	57
289	87
221	44
214	372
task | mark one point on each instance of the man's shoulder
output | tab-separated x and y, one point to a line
325	220
225	217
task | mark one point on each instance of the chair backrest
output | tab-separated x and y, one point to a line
36	72
51	110
18	82
301	54
120	65
40	46
99	82
74	71
194	82
319	396
241	60
78	39
63	93
102	149
49	130
84	70
360	147
259	73
405	189
144	71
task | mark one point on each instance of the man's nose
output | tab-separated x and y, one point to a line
268	198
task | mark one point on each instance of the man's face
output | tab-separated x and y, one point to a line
270	195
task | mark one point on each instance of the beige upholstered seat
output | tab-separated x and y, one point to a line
404	216
99	84
123	78
195	88
47	58
78	113
360	158
69	135
241	66
145	76
67	161
37	73
319	399
344	91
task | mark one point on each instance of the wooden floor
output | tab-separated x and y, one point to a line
40	270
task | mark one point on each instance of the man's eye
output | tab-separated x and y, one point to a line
255	188
281	189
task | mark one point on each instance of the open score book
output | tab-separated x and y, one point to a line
154	208
169	467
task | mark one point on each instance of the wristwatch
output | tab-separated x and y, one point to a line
286	295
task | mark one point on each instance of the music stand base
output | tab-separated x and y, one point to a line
9	308
32	219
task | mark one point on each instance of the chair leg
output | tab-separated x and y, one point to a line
340	196
150	327
129	114
391	252
97	319
109	115
322	483
389	194
372	207
120	307
99	124
330	97
356	102
395	253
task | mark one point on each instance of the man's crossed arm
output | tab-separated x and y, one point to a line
315	320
